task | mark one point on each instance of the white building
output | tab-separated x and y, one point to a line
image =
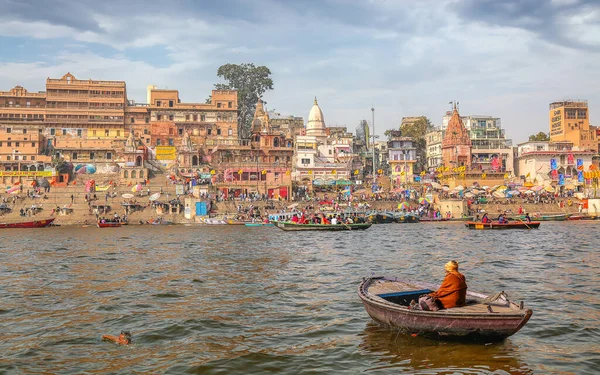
534	162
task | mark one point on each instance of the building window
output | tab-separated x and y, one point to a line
106	132
79	132
0	143
24	131
305	161
17	144
64	132
9	130
582	113
92	155
218	131
171	117
570	114
208	132
24	157
230	105
7	158
74	157
9	144
93	133
187	117
230	132
132	120
145	131
33	157
180	131
147	120
203	117
170	103
158	103
158	142
28	104
109	155
218	105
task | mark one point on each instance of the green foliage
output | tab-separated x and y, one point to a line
541	136
251	82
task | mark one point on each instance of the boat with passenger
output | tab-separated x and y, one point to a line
291	226
392	302
497	225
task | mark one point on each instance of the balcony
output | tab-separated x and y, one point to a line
20	119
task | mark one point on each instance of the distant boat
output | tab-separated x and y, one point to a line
259	224
28	224
108	224
405	218
381	218
388	301
558	217
496	225
290	226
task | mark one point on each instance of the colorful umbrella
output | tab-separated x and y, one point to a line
424	200
549	189
403	206
498	194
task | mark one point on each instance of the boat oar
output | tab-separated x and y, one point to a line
528	227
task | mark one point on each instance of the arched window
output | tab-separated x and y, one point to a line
133	174
141	174
195	160
125	174
138	161
276	142
40	167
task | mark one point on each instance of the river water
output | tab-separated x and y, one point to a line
237	300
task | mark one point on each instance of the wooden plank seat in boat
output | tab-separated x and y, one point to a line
402	293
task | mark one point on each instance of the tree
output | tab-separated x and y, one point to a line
251	82
541	136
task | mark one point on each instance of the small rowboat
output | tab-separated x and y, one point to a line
289	226
28	224
388	301
497	225
258	224
109	224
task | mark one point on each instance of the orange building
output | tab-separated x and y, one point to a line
22	142
570	121
80	111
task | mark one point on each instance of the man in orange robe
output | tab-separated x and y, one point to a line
453	291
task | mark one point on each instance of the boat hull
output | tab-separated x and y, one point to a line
28	224
108	225
442	323
406	219
289	226
381	218
259	224
498	226
560	217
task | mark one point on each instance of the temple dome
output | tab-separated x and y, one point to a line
316	121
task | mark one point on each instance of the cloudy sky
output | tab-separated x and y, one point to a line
507	59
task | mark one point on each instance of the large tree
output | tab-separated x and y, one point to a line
541	136
251	82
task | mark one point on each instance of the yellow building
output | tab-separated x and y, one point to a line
569	121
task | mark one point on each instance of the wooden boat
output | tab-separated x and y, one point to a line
380	218
259	224
558	217
433	219
108	224
388	301
497	225
235	222
581	217
406	218
28	224
289	226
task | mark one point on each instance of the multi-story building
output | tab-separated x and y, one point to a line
402	157
323	156
22	143
288	125
570	122
556	163
81	111
434	149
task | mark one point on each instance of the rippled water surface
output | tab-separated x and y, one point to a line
230	299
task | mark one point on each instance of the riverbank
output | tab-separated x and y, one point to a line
78	212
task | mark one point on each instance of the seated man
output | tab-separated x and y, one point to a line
123	339
453	291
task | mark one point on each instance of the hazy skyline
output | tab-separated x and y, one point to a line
506	59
